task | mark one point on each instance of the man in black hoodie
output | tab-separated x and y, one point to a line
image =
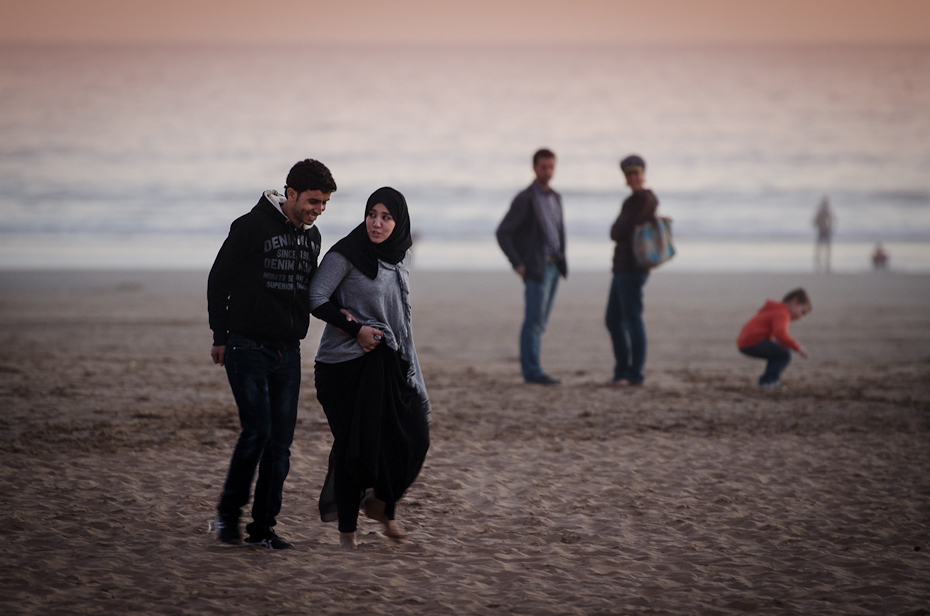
258	302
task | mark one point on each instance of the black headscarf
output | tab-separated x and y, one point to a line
364	254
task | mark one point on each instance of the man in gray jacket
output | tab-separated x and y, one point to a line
532	235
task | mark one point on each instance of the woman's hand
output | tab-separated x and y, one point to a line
369	337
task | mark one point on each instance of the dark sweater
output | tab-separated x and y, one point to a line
638	208
260	282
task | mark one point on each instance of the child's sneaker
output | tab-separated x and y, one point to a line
227	530
773	386
267	538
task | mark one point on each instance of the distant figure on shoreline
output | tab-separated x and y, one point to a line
765	336
624	316
824	221
259	306
532	235
880	257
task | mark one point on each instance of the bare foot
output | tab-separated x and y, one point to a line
347	541
374	509
394	529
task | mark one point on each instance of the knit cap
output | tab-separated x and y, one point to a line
632	163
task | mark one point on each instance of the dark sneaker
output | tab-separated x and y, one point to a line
543	379
268	539
227	530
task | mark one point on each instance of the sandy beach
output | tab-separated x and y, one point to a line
695	494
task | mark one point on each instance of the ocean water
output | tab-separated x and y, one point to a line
142	156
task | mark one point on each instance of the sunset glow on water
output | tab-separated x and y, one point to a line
156	148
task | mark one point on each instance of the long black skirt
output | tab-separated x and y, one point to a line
380	431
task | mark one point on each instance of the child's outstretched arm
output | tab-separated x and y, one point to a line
781	335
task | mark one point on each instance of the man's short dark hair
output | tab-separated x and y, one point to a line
542	153
310	174
798	295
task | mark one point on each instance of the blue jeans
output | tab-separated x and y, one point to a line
265	384
777	356
625	323
538	297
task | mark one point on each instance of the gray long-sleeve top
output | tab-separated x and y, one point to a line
382	303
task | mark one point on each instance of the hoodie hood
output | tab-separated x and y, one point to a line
277	200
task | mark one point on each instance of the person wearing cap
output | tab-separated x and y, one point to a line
258	300
532	235
625	303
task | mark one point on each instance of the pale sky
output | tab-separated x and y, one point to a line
466	22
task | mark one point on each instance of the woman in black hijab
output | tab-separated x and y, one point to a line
367	375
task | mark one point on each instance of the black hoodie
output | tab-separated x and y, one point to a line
260	281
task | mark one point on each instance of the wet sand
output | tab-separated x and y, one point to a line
695	494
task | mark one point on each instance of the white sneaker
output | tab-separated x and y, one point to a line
773	386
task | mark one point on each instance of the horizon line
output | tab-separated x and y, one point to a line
473	45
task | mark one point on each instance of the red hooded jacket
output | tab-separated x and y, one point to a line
770	322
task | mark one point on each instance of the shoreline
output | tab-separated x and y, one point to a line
197	251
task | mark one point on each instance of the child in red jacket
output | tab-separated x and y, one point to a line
766	335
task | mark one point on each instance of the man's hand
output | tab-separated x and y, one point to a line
366	338
802	351
521	271
218	353
349	318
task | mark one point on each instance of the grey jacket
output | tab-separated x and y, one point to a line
382	303
522	238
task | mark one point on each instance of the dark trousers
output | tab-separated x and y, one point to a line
776	356
265	384
380	430
349	490
624	320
